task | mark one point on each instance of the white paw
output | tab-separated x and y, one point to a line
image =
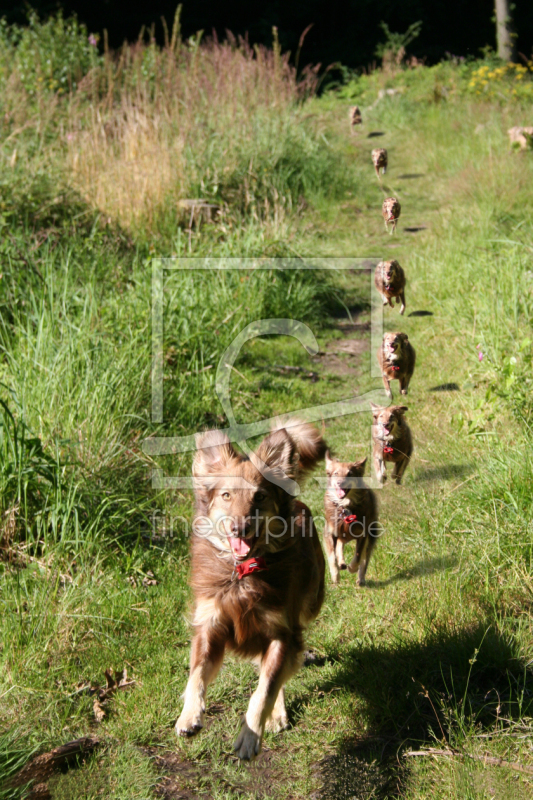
189	723
247	744
275	724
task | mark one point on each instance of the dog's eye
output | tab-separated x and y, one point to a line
225	495
259	496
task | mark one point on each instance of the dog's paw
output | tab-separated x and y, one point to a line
404	392
343	566
247	744
276	724
361	582
353	568
188	724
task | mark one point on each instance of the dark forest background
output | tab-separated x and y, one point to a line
343	30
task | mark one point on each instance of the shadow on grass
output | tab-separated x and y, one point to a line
444	472
417	690
427	566
445	387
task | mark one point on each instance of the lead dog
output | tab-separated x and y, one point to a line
351	516
257	571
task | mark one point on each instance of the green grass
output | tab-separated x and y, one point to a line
436	651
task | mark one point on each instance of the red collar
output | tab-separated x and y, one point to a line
347	518
391	366
257	564
387	449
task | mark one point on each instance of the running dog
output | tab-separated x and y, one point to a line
389	279
351	516
397	358
392	441
257	571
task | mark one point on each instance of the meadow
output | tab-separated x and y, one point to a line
418	685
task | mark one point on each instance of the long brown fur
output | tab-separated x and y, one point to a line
263	615
347	494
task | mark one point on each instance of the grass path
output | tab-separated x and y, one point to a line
437	647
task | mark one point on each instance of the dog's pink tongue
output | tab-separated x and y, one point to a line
340	492
239	546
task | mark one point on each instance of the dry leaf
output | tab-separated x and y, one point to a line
150	579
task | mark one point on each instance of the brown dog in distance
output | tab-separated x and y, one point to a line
257	571
396	358
390	211
380	160
351	516
389	279
392	441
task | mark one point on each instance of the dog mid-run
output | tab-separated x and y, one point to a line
351	516
389	279
392	441
257	571
397	358
355	116
390	211
380	160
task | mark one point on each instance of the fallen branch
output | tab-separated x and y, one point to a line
100	695
491	760
41	768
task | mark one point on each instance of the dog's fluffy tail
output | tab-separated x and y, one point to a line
309	443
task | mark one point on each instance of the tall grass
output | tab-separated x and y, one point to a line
135	132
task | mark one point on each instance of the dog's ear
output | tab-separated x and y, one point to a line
376	410
278	452
329	460
401	409
358	467
214	452
404	336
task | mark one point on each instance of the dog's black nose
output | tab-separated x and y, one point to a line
241	525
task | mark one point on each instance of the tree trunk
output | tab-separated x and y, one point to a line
504	31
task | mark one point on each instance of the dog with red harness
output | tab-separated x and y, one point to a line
351	511
257	571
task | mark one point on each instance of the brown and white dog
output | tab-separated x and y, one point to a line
390	211
351	516
355	116
389	279
392	440
397	359
257	571
380	160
